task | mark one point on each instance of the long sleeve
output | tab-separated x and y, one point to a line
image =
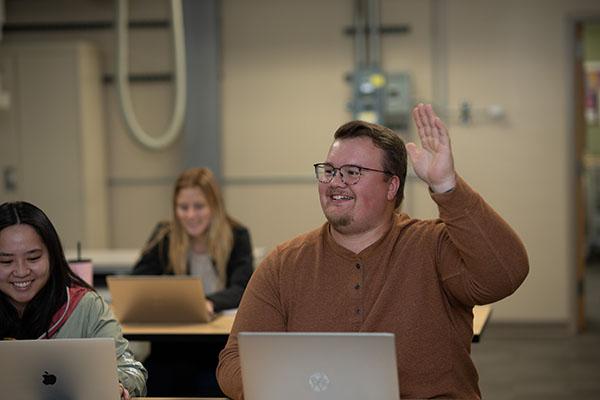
239	269
419	281
93	318
480	258
262	299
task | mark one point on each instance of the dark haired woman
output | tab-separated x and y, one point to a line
41	298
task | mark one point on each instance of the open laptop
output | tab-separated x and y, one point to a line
162	299
65	369
324	366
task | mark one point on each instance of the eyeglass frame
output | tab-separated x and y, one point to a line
335	171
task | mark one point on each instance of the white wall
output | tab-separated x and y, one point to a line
514	54
139	180
284	96
283	68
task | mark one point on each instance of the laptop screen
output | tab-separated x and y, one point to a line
325	366
58	369
158	299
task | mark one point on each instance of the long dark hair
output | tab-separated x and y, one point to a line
39	311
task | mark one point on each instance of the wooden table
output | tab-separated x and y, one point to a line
215	333
481	315
218	329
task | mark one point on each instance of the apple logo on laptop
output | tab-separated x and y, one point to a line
318	381
48	379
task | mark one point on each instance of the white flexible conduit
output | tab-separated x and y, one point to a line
121	71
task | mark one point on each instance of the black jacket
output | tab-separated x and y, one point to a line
239	267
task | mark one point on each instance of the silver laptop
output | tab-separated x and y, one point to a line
162	299
324	366
65	369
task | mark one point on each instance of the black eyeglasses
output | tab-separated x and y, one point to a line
349	174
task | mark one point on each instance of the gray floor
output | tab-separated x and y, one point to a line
537	363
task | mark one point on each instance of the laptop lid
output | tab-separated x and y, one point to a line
66	369
324	366
161	299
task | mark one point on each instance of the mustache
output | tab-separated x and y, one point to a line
339	192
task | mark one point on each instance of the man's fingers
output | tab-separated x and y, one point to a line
412	150
429	114
430	127
443	131
417	119
423	124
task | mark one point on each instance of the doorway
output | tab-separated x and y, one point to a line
587	192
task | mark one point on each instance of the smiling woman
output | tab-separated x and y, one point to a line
25	267
201	240
41	298
204	241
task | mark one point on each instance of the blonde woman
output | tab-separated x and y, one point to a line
201	240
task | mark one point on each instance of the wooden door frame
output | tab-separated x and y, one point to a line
576	148
578	323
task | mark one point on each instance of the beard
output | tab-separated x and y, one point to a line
339	222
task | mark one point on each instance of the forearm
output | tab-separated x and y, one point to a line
154	260
482	258
260	310
229	374
150	264
231	296
239	271
227	298
131	372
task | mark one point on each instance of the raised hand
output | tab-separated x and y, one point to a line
433	161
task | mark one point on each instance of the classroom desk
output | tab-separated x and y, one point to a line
214	334
218	329
481	316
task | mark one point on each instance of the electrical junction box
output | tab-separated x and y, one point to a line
398	105
381	98
368	91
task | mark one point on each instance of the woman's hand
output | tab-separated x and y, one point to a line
123	392
210	307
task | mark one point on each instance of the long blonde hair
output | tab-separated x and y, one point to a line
220	233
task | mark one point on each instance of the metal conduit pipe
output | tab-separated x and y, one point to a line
374	35
360	48
121	72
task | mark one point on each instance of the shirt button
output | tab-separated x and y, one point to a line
358	311
357	266
357	286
